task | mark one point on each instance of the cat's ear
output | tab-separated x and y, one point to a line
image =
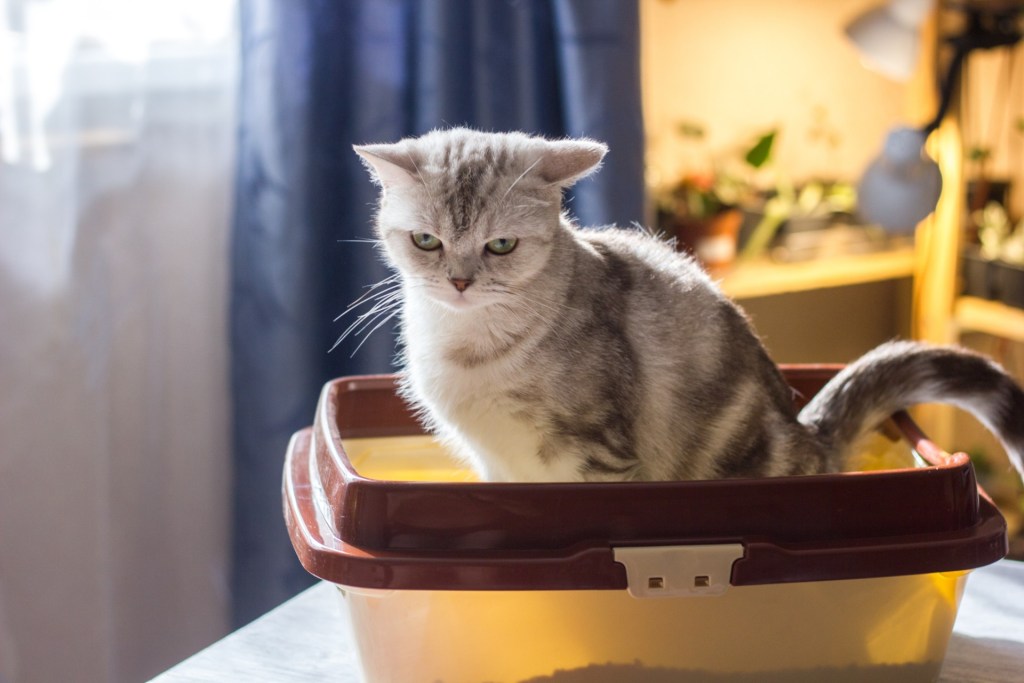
563	162
390	165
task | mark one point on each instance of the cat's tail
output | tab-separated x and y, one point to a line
898	375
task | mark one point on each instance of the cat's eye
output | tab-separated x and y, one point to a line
502	245
426	241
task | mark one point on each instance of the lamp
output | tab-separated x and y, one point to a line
886	37
901	187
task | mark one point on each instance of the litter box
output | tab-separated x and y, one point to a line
839	577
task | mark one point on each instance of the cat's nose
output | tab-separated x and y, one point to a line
460	283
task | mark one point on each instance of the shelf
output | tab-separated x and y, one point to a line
765	278
990	317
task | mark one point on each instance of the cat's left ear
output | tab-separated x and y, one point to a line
563	162
390	165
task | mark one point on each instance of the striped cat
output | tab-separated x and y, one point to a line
544	352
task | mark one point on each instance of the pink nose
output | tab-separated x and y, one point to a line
460	283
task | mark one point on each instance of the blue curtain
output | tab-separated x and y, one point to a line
321	75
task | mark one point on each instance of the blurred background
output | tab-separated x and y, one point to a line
182	221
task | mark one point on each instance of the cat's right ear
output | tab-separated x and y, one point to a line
391	166
563	162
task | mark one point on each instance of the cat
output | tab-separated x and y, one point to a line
542	352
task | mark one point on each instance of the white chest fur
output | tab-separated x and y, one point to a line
474	407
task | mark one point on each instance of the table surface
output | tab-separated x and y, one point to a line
303	639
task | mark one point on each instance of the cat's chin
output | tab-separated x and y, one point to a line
464	305
461	302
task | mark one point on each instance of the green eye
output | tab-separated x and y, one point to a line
502	245
426	241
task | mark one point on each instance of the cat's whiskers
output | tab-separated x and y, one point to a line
360	325
363	319
392	283
360	240
386	297
393	312
385	303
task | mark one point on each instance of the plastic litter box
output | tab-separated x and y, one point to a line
839	577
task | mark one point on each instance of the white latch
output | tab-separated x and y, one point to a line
678	570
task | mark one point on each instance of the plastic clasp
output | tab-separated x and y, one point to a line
678	570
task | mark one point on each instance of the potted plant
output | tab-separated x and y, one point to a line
812	206
994	269
703	209
1009	269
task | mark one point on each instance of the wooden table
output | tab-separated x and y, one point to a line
304	640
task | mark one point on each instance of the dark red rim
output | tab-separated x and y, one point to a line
409	535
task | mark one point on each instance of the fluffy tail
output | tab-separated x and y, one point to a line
898	375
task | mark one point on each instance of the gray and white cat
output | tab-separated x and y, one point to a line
544	352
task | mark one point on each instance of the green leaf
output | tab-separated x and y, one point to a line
762	150
979	153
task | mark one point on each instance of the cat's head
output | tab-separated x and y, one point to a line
469	218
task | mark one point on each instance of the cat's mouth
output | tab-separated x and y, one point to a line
461	301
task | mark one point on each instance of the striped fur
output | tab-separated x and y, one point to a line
604	354
898	375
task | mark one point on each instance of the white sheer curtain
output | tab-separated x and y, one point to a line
116	157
